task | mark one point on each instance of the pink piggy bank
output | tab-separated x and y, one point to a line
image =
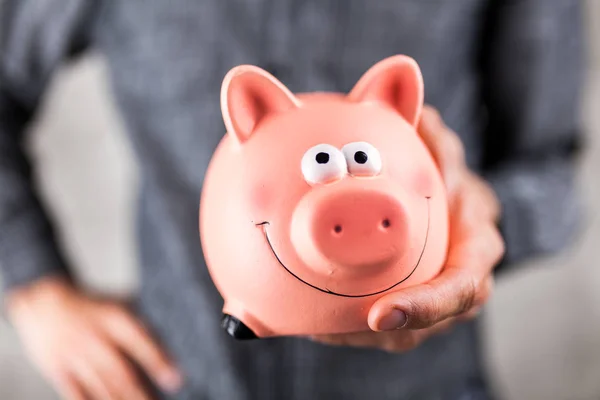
316	205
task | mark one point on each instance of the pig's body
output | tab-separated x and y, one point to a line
293	257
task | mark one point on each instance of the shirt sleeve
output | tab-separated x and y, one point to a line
533	59
35	38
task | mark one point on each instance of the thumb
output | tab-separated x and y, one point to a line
422	306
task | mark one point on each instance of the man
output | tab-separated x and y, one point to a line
504	75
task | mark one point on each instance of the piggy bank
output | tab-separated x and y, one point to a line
315	205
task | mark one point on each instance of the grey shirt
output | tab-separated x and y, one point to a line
505	75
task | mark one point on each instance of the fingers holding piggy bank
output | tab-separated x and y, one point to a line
402	320
316	207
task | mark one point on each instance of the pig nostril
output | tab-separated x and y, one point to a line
385	223
337	229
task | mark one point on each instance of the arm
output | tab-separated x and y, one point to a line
532	72
28	250
84	346
27	247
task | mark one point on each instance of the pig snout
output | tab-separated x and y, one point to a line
358	229
353	229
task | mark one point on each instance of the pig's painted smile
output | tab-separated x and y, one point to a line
264	225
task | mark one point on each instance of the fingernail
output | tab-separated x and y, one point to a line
395	319
170	380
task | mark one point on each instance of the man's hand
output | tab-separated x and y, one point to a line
83	346
402	320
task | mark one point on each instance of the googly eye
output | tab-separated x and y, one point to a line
323	163
363	159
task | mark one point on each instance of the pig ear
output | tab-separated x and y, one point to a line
249	95
395	82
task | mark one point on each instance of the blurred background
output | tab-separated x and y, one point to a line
543	325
